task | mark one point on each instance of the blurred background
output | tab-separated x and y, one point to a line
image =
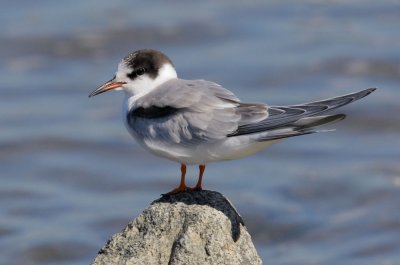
71	176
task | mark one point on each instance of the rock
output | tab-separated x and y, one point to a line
186	228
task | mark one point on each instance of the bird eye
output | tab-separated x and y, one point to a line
140	71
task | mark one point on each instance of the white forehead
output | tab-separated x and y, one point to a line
122	71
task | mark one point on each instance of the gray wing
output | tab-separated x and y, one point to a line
191	111
287	121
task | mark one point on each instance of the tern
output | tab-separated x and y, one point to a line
195	122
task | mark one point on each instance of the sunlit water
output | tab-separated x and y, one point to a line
71	176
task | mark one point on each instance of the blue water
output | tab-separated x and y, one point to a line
71	176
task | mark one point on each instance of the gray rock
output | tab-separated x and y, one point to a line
186	228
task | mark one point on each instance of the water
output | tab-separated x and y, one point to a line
71	176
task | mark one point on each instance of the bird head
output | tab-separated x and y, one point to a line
140	72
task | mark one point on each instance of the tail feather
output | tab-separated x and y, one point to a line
303	126
311	122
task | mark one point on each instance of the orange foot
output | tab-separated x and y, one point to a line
177	190
197	188
200	179
182	185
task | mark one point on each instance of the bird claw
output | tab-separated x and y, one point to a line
182	189
195	189
177	190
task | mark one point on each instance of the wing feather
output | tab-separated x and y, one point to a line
198	111
191	112
281	116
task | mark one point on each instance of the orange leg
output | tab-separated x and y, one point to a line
198	186
182	186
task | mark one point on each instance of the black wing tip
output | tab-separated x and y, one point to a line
370	90
340	116
361	94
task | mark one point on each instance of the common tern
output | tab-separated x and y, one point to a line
198	121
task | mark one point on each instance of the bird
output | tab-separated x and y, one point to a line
196	122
